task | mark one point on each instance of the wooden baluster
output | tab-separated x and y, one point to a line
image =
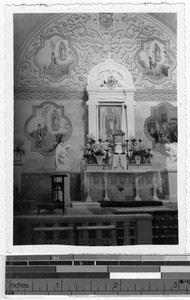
99	235
56	234
137	198
144	232
155	198
113	236
87	180
126	230
106	198
71	238
84	235
42	237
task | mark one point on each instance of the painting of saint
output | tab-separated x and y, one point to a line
62	52
55	121
162	127
110	122
55	58
155	60
45	126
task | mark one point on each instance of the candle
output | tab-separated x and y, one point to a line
100	135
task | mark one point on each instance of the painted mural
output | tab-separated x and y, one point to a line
155	60
162	126
55	58
46	127
68	46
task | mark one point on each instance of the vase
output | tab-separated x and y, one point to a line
137	159
99	159
17	156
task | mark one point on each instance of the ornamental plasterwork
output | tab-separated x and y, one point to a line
52	95
81	95
164	97
87	39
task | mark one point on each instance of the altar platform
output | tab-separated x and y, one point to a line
83	225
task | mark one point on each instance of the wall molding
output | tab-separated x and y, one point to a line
46	94
160	97
60	94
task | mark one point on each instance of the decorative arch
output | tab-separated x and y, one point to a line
110	74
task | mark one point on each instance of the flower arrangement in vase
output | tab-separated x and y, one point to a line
137	152
88	150
19	151
95	153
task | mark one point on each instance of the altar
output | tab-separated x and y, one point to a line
117	165
138	184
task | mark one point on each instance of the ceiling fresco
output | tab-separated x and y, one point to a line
65	47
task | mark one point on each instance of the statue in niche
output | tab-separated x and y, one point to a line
171	161
55	120
110	122
62	160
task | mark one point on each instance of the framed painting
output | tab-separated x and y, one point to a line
109	120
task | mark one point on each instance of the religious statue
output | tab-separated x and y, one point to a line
110	122
62	160
55	120
39	135
171	161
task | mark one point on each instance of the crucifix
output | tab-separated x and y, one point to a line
109	54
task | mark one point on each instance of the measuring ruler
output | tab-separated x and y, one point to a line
97	275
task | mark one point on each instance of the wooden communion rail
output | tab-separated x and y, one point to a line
83	230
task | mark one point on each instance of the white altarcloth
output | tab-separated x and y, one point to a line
119	162
110	179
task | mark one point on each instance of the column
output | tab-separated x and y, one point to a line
123	120
172	180
87	185
130	103
92	118
155	198
106	198
67	196
137	198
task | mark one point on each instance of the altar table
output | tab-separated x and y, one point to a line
109	179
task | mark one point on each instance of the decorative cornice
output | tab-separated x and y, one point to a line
60	94
37	94
163	97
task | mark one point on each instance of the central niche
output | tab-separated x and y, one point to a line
111	100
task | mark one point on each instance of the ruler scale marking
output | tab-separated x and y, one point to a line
170	283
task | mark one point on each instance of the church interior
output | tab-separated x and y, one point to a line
95	129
